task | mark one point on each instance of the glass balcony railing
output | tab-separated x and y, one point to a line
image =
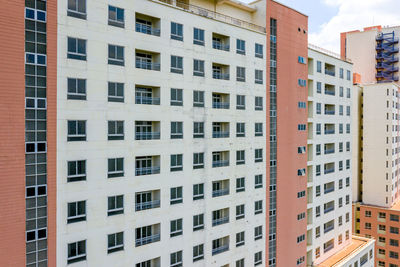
221	192
147	240
220	105
147	205
220	134
147	100
220	163
147	135
220	249
147	171
143	28
144	64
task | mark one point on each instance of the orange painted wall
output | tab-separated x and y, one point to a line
51	129
291	43
12	134
373	220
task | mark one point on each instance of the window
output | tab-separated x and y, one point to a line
348	75
258	126
317	211
341	73
368	226
116	55
318	150
76	131
240	157
198	160
258	181
116	16
301	194
76	251
198	191
258	233
240	129
115	205
318	111
394	242
198	36
176	31
301	238
302	60
240	74
259	103
394	230
240	47
198	98
240	102
258	258
394	217
258	207
239	211
198	129
258	155
319	86
301	127
302	82
301	216
318	170
348	93
115	92
393	255
240	184
301	172
76	48
176	162
341	91
76	89
240	263
198	222
176	97
319	66
176	259
259	50
176	228
176	64
259	77
198	252
115	167
115	130
302	104
176	130
176	195
76	212
115	242
76	171
77	8
317	191
317	232
240	239
198	67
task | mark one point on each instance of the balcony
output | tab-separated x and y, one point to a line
220	249
329	148
328	246
329	89
328	207
147	60
329	226
147	200
220	245
329	109
329	69
220	216
147	130
220	221
220	42
329	187
220	163
220	71
329	168
220	101
147	24
147	165
220	129
146	95
329	128
220	188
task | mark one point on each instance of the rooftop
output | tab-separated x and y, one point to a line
328	53
357	244
201	11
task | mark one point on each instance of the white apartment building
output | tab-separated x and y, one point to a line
161	133
379	118
329	155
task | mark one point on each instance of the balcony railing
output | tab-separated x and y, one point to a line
329	92
148	205
220	221
330	170
220	105
143	64
329	131
147	100
143	28
147	135
220	46
329	209
220	163
147	240
330	72
220	134
220	76
147	170
326	249
220	249
327	229
328	190
329	151
221	192
329	112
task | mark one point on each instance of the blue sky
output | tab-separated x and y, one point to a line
328	18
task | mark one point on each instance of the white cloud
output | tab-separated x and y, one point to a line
354	15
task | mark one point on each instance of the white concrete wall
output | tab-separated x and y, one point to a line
337	156
96	110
